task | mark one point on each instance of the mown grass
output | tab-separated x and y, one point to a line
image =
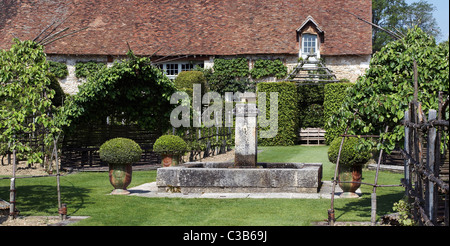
87	194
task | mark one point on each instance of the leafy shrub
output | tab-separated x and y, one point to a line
120	151
132	90
404	211
25	91
350	155
228	75
335	94
59	96
287	108
185	81
59	69
382	95
170	144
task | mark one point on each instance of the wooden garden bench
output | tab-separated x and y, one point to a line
312	135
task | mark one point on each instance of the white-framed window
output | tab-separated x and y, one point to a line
309	44
173	69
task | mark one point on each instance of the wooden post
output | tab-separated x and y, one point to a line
438	160
416	83
12	190
331	217
406	147
431	201
374	192
58	190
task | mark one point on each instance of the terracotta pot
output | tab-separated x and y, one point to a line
169	160
350	173
120	178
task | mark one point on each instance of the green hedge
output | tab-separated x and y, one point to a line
350	155
185	81
120	151
287	110
310	101
335	93
170	144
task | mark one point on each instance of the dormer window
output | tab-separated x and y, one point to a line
309	44
310	36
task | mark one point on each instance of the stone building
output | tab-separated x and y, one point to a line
184	33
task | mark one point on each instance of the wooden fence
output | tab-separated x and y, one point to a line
80	148
207	141
426	163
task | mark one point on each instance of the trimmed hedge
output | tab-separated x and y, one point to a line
170	144
120	151
310	101
287	111
185	81
335	94
349	154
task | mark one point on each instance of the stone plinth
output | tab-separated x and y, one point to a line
246	135
210	177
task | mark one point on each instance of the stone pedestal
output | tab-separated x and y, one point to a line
246	135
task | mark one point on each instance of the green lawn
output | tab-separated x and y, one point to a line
88	194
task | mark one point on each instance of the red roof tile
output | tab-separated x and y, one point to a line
189	27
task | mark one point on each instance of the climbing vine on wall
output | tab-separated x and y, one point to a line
84	69
266	68
234	74
59	69
132	90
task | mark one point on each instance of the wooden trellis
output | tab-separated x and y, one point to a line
426	170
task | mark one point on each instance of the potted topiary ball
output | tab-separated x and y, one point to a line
120	154
171	148
351	162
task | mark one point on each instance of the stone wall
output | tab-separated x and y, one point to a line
347	67
71	82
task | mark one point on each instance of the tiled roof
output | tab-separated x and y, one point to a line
189	27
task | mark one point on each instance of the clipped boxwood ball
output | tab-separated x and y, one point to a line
120	151
349	154
170	144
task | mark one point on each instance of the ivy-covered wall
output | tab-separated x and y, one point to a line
70	82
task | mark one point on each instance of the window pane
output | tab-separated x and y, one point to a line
187	67
309	43
172	69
